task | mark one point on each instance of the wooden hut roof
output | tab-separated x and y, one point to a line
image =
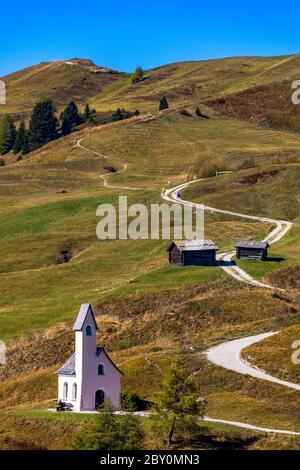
194	245
251	244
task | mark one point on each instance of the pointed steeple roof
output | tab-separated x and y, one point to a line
83	313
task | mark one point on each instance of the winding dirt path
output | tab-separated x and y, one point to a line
228	355
103	176
124	123
251	427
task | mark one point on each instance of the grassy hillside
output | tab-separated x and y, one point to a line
182	83
269	105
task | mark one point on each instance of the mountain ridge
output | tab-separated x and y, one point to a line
106	89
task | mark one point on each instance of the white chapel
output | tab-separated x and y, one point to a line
89	377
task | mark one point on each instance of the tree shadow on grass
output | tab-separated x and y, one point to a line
274	260
206	440
215	442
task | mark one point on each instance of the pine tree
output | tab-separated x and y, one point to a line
66	127
118	115
26	147
86	112
7	134
21	138
43	124
92	119
71	114
163	104
198	111
109	432
137	75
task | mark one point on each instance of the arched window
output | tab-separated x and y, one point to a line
101	369
89	330
74	392
65	391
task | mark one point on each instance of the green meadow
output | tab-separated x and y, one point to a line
146	309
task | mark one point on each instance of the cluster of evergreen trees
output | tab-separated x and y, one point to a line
8	134
71	117
121	114
43	127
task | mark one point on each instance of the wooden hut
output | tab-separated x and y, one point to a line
251	250
192	253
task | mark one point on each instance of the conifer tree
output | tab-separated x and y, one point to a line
86	112
180	405
71	114
66	127
118	115
43	124
7	134
163	104
109	432
25	147
137	75
92	119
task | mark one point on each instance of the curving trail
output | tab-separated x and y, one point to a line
228	355
103	176
124	123
225	259
251	427
236	424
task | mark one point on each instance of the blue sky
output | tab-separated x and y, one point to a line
123	34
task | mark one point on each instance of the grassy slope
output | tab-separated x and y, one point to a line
52	431
196	81
68	220
267	102
56	80
45	222
185	82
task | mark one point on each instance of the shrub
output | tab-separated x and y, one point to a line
210	170
163	104
110	432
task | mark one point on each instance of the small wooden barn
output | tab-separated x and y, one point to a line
251	250
192	253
